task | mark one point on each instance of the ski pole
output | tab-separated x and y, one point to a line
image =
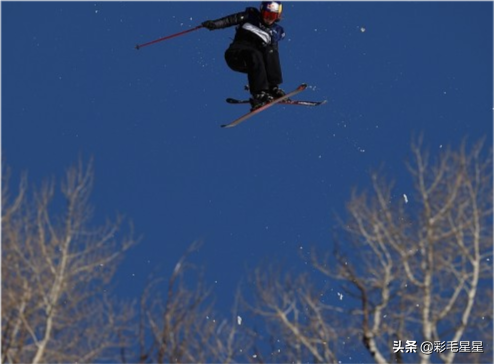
139	46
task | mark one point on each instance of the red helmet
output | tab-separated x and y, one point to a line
271	10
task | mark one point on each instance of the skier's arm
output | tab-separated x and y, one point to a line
225	22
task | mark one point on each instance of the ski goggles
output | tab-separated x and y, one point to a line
269	15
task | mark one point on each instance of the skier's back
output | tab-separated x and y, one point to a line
254	50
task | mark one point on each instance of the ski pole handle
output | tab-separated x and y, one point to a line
139	46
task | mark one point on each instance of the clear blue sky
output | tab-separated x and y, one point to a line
73	84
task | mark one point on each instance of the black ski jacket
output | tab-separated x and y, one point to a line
251	30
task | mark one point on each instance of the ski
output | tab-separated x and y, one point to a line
300	88
284	102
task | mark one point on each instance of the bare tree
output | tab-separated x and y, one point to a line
178	323
56	270
294	319
416	269
421	269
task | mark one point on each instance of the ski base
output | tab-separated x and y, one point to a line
284	102
299	89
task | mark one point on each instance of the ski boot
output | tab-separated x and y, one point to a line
275	92
259	100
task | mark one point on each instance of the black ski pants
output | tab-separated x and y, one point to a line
263	68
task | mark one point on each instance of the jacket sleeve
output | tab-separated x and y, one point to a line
230	20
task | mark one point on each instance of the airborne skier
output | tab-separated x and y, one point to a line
254	50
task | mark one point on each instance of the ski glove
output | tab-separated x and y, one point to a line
209	24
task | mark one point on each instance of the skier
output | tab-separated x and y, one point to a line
254	50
